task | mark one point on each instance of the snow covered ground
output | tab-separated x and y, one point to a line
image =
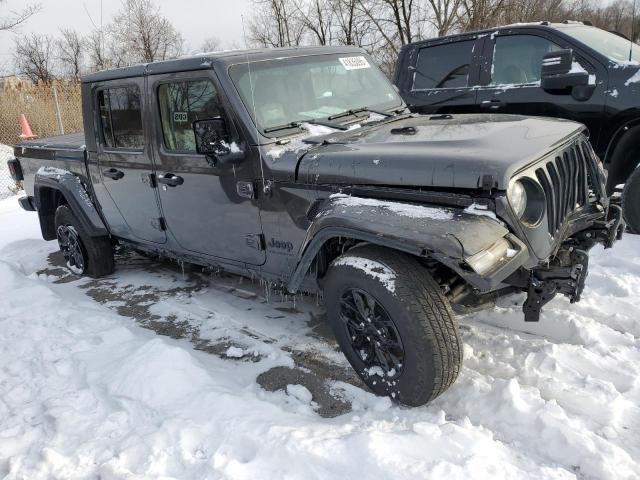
152	373
6	153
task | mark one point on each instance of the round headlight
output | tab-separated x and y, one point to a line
528	201
517	196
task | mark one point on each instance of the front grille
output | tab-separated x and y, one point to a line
566	180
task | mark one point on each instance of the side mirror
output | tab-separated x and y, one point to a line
213	140
558	72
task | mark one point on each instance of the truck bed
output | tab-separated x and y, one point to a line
62	151
71	141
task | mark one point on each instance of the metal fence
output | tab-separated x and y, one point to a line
51	109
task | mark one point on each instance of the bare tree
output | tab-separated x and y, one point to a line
276	23
211	44
139	32
70	53
96	49
317	17
353	27
479	14
445	15
33	56
13	19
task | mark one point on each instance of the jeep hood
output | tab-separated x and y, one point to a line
437	151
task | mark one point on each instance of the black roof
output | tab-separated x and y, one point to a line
205	60
513	26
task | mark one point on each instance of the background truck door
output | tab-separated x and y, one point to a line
442	76
125	163
511	79
205	213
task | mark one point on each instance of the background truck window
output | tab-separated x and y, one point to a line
181	104
517	59
121	118
443	66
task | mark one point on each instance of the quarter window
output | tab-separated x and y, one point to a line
443	66
121	117
517	59
181	104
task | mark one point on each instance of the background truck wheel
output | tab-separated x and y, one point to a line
85	255
393	324
631	201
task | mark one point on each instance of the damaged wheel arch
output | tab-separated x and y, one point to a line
451	237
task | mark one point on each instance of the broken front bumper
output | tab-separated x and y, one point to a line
567	272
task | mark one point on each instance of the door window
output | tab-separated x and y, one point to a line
121	117
443	66
181	104
517	59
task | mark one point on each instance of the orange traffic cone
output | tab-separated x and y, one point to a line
25	128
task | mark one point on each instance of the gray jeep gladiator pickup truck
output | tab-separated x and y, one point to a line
303	168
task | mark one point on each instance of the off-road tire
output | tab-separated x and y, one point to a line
631	201
422	316
97	251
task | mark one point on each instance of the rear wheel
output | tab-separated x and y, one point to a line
631	201
83	254
393	324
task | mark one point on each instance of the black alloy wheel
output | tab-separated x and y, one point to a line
71	248
372	333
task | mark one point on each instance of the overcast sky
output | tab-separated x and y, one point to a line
194	19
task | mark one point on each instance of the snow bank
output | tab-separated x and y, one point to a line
85	393
6	182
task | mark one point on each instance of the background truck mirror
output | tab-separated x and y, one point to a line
558	72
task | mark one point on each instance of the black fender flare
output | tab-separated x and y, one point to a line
446	234
616	169
69	185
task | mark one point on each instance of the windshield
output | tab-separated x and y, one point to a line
315	87
608	44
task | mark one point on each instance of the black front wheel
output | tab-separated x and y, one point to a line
631	201
83	254
393	324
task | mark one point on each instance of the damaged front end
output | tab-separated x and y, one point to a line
567	271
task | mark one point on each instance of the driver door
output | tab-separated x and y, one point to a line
208	208
512	80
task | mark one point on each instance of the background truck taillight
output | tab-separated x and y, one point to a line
15	169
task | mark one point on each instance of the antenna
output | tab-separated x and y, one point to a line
633	24
253	104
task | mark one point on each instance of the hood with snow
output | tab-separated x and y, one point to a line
422	151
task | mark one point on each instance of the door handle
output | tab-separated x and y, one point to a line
113	173
493	104
171	180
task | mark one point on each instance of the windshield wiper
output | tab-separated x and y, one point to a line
298	124
355	111
284	126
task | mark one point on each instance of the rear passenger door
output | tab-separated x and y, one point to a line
442	76
125	162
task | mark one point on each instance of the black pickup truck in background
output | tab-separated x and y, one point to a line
564	70
304	169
